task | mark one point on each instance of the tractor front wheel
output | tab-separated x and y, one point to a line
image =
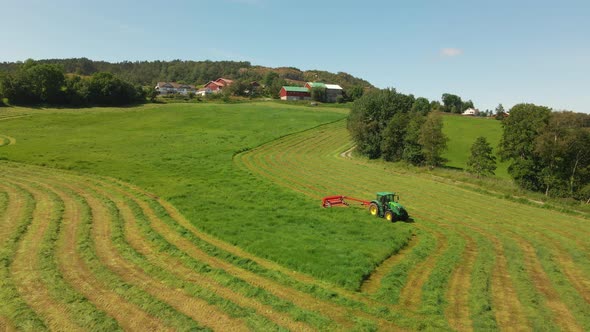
374	209
389	216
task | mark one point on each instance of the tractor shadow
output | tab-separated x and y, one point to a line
409	221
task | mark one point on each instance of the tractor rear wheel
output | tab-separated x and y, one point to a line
389	216
374	209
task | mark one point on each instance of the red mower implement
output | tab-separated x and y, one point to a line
331	201
386	205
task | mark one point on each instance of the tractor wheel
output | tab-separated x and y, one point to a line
374	210
389	216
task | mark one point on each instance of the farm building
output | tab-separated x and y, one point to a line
332	90
217	85
294	93
165	88
471	111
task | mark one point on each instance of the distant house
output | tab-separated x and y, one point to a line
332	90
294	93
471	112
165	88
218	84
203	92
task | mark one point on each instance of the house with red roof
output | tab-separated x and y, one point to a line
217	85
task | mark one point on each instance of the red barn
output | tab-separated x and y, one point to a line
294	93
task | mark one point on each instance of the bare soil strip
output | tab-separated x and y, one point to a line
197	309
459	286
373	282
25	267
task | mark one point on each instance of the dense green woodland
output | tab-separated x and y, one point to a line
190	72
548	151
82	81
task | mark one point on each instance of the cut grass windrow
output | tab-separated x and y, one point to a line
167	256
7	140
82	312
291	169
14	311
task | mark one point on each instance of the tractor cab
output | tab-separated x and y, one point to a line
387	205
386	197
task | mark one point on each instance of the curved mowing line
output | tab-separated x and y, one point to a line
82	312
25	267
133	215
77	273
7	140
381	323
169	262
195	308
273	169
373	282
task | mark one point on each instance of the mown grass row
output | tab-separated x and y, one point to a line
358	321
83	313
227	305
301	177
14	227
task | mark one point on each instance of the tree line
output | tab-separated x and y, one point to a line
394	126
549	151
189	72
40	83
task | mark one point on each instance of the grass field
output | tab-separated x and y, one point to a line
171	217
462	132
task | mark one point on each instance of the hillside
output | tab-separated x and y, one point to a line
462	132
156	217
191	72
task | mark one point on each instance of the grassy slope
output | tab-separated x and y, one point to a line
183	153
462	132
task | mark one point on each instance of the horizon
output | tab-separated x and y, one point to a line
533	52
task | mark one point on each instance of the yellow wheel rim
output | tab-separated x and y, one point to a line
388	216
373	210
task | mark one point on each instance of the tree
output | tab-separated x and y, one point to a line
467	105
355	92
517	144
421	105
392	145
500	113
371	114
412	148
433	140
563	146
318	94
481	162
452	103
239	88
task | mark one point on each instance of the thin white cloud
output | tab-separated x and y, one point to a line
451	52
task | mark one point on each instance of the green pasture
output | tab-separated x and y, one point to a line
184	154
462	132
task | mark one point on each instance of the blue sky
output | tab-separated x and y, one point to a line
488	51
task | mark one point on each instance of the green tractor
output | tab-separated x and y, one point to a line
387	206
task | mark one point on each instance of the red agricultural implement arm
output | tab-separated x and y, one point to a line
330	201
